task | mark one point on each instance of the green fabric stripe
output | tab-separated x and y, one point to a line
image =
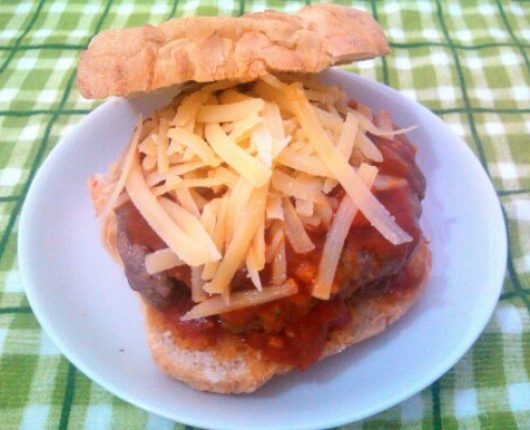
479	110
8	198
509	192
455	45
517	283
173	9
102	18
16	310
403	45
68	397
471	120
44	46
512	35
511	268
509	295
436	111
436	406
386	79
26	31
45	112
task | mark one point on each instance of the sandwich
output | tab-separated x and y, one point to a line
265	220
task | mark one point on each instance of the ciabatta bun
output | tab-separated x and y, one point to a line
203	49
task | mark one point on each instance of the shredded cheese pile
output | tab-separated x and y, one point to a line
227	174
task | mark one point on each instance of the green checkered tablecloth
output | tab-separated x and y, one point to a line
468	61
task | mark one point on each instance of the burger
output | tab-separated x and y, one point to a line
265	220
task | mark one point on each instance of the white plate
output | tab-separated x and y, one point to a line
82	300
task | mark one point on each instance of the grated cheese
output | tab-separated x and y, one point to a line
241	129
126	168
156	177
197	292
186	201
295	231
262	139
374	211
192	226
161	141
163	225
240	300
229	112
218	237
253	271
347	135
161	260
236	249
226	174
274	206
368	148
337	235
304	163
246	165
196	144
238	200
279	265
302	187
304	208
367	125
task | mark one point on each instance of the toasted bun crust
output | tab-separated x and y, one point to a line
233	367
202	49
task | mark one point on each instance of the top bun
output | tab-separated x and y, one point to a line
205	49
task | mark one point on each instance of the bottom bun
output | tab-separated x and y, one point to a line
231	366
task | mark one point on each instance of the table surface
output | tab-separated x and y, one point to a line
467	61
